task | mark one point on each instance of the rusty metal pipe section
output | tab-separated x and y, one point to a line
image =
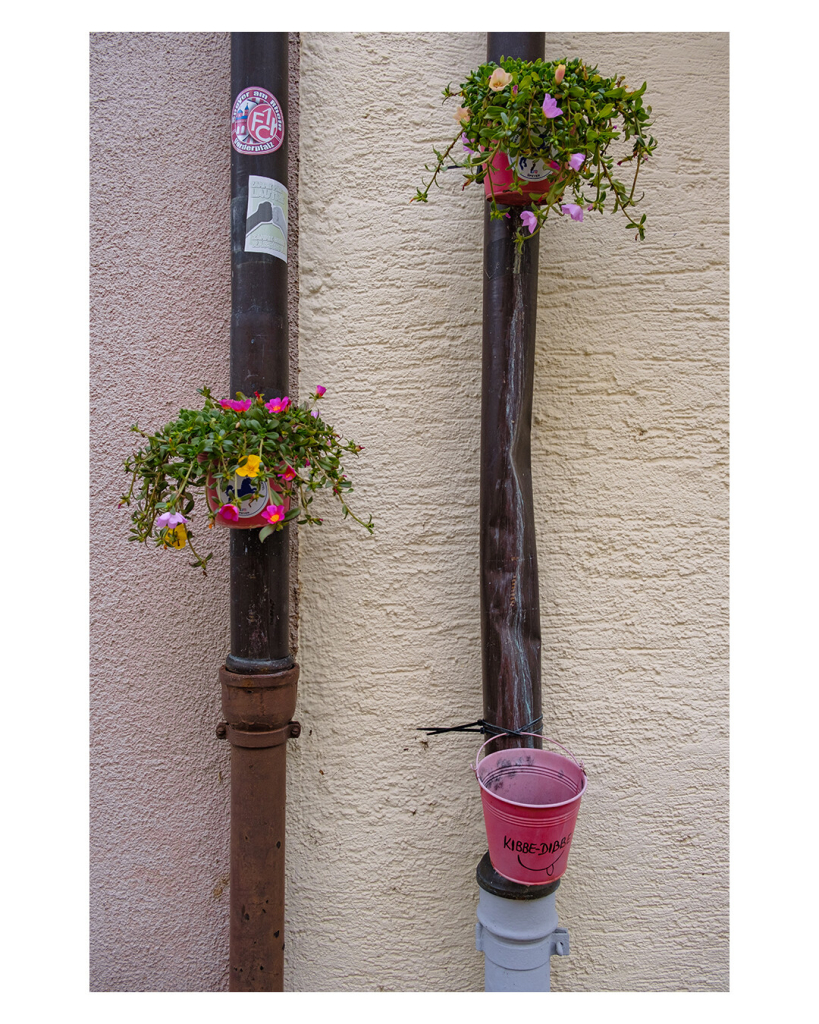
258	713
259	678
510	607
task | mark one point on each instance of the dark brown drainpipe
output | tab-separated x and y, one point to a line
259	677
510	606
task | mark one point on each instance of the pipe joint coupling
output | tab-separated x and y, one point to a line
259	738
521	956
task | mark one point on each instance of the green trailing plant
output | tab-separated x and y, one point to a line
244	441
566	116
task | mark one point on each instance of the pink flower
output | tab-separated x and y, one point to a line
528	220
277	404
576	161
170	520
288	475
314	413
573	210
273	514
550	107
231	403
320	390
554	165
229	513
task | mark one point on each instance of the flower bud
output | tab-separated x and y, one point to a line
560	71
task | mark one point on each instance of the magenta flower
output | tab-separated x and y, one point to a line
273	514
576	161
320	390
277	404
528	220
170	520
231	403
229	513
573	210
554	165
288	475
550	107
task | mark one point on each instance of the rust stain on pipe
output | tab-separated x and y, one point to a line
510	608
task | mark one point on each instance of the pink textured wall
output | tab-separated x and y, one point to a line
160	315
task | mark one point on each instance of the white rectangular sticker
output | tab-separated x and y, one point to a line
266	228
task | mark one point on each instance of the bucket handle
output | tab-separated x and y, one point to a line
474	766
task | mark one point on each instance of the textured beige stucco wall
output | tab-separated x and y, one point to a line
630	482
630	479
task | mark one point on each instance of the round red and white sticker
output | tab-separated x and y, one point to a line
257	122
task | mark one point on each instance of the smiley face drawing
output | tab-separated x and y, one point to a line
560	847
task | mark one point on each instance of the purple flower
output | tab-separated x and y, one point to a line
576	161
170	520
314	413
550	107
464	140
528	220
573	210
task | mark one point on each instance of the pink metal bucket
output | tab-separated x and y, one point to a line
530	803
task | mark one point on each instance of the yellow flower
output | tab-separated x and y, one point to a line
462	115
499	80
250	468
177	537
560	71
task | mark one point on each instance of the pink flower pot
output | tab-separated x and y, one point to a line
250	512
538	181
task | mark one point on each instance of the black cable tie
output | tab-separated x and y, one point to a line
452	728
483	727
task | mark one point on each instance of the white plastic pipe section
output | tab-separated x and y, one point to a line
517	938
